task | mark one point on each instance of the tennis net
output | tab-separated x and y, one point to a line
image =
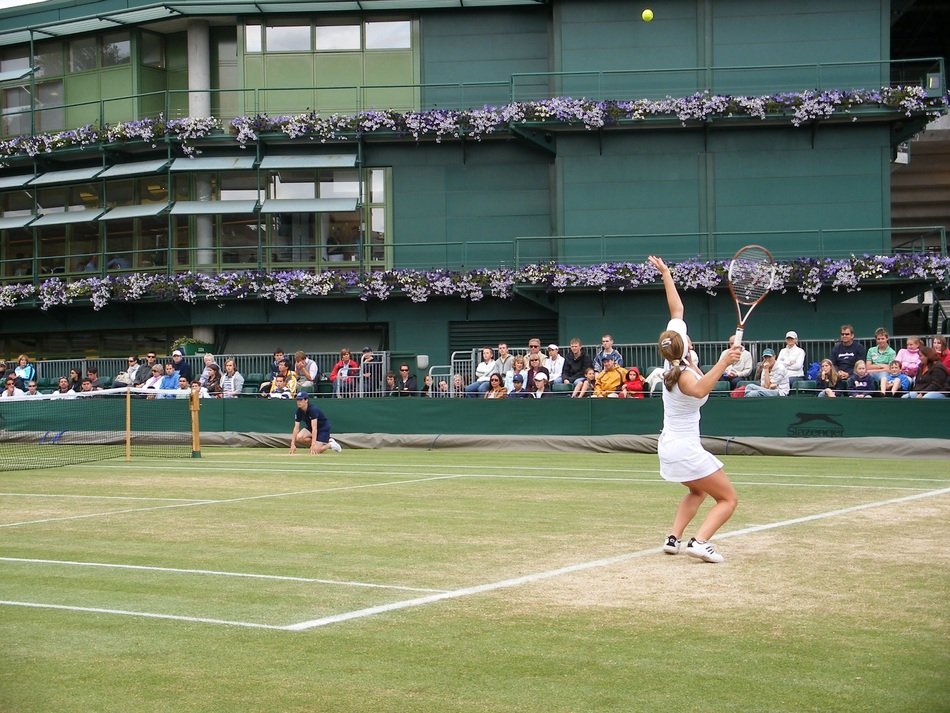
50	431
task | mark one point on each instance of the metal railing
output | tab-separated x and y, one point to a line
255	368
729	80
576	250
645	356
228	104
371	379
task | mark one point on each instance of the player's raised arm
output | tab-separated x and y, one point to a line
673	300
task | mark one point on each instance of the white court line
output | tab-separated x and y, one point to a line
349	468
481	588
141	615
218	573
227	501
539	576
100	497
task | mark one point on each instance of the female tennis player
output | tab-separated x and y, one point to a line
682	457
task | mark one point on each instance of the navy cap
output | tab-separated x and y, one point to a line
301	395
517	377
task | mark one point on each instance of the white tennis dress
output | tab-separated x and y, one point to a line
682	457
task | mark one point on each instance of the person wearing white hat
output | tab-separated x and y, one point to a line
554	364
540	388
792	357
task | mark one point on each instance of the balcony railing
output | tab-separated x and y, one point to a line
228	104
579	250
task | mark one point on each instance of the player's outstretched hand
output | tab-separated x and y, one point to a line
658	263
293	447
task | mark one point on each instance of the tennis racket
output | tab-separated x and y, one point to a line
751	277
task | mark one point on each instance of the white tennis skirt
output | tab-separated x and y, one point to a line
682	458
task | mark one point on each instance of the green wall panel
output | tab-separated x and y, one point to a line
289	70
454	193
604	36
485	45
78	88
788	179
629	184
331	69
810	32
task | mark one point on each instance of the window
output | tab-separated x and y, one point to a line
238	186
51	200
82	54
48	60
353	36
252	38
18	252
300	185
388	35
342	183
338	37
116	49
288	38
14	58
82	196
153	50
119	193
16	111
16	203
50	94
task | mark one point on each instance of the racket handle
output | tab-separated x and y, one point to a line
739	332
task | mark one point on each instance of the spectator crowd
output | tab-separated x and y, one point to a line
915	370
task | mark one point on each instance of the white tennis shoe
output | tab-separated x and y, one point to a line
672	545
336	447
704	551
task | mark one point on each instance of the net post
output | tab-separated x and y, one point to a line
128	425
195	430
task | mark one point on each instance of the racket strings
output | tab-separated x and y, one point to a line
751	274
751	279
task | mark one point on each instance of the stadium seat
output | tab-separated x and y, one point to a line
254	380
806	387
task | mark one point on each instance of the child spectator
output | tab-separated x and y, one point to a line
909	357
633	385
895	380
861	383
829	385
585	387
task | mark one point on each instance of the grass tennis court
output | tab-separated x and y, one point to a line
409	580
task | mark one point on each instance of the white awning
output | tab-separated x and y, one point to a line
134	211
12	74
214	163
304	161
213	207
15	221
73	216
313	205
70	176
138	168
16	181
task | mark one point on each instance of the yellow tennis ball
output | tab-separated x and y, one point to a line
647	15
